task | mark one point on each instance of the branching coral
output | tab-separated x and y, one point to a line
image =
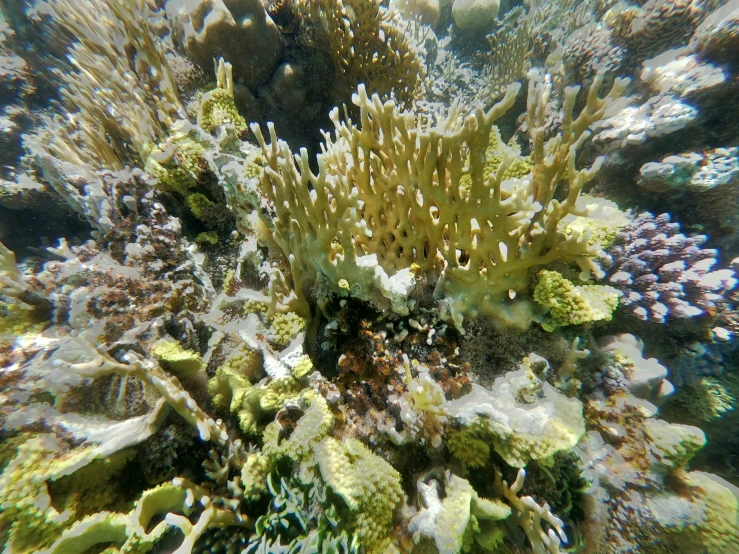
544	530
663	273
368	44
368	485
136	531
120	112
387	201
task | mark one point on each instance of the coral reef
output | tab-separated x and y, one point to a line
367	44
454	326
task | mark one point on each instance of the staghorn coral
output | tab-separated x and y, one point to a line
664	274
533	35
388	214
530	516
509	49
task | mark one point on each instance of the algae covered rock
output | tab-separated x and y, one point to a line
237	30
475	15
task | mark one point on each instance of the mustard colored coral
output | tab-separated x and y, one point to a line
352	221
570	304
177	359
369	486
470	444
177	164
217	106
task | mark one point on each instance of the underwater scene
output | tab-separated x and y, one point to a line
369	276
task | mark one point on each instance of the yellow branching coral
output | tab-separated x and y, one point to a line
525	417
389	195
494	155
368	44
22	309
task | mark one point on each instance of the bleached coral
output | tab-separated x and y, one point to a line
644	378
691	171
526	416
531	516
452	512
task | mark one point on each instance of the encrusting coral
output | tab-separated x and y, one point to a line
526	417
569	304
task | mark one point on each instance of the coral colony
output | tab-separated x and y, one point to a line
368	277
